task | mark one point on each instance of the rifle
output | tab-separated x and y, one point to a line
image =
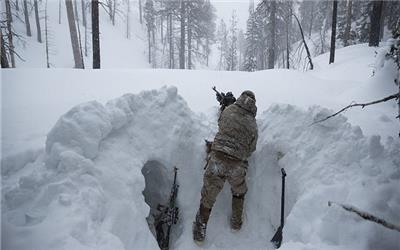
277	239
224	99
171	213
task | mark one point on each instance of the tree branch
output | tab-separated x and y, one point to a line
362	105
366	216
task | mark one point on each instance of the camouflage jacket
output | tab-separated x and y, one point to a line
238	133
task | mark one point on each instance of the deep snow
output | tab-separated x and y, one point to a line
83	190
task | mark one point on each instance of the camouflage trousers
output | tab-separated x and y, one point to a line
218	170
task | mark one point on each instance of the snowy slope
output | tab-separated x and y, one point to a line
351	81
83	190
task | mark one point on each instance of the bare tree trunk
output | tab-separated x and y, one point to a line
375	23
171	43
84	24
182	44
162	24
4	60
287	46
86	41
79	33
39	31
140	12
59	11
10	33
189	41
333	35
346	36
76	14
208	51
128	20
113	12
95	34
271	47
149	43
46	35
17	5
288	22
83	13
382	22
27	23
73	34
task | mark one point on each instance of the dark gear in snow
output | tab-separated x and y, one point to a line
277	238
168	216
233	144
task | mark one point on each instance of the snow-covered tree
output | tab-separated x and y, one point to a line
231	56
254	41
222	43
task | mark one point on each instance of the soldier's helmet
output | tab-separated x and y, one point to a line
250	94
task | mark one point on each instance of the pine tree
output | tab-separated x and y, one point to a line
392	10
241	48
363	20
222	44
272	35
231	55
200	30
307	14
250	56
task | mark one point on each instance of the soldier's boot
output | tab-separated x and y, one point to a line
200	224
237	210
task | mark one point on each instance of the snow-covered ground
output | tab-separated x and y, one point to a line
74	144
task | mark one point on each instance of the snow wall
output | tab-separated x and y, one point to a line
84	191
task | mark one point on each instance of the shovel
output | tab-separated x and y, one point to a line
277	239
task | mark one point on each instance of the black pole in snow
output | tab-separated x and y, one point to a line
277	239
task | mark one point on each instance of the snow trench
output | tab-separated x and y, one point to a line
85	191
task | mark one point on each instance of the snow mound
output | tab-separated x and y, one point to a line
333	161
85	190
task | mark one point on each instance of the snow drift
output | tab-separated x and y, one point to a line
85	190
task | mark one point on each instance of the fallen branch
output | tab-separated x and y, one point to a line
366	216
362	105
